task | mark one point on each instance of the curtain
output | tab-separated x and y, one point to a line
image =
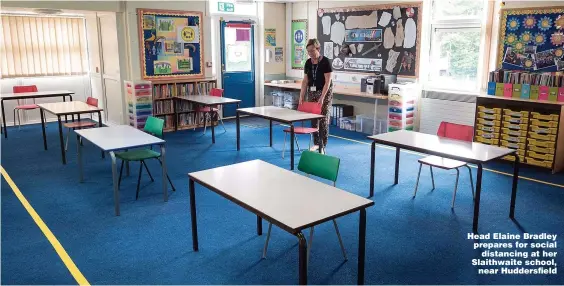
32	46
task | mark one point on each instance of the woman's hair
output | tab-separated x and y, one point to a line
313	42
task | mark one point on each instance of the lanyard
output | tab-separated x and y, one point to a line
314	75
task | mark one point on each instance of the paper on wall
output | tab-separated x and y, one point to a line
399	34
353	49
188	34
385	19
328	50
397	13
337	17
338	33
410	33
367	21
389	38
336	51
359	48
392	60
337	63
326	22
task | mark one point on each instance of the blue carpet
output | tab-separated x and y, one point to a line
418	241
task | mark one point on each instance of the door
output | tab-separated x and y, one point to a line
111	77
237	64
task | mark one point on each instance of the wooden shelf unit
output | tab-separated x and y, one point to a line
535	128
178	114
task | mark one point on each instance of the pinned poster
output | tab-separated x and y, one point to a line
188	34
299	38
270	37
279	54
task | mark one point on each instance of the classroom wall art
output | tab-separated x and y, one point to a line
381	38
531	39
299	41
171	44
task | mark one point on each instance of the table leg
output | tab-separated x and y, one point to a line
321	147
212	126
115	182
66	116
292	136
372	167
361	246
302	258
270	123
79	148
514	188
259	225
62	140
477	198
100	124
4	119
163	165
396	176
42	114
193	215
238	130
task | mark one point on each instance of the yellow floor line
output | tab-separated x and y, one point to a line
46	231
486	169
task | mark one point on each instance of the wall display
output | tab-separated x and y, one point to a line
299	41
531	39
270	37
279	54
170	44
382	38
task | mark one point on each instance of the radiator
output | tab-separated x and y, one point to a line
434	111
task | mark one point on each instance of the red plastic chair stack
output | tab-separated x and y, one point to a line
20	106
217	92
456	131
309	107
81	124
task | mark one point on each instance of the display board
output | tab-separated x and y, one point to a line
299	40
531	39
382	38
171	44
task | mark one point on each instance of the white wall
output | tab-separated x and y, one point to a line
275	18
110	6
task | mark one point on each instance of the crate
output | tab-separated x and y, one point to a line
487	128
542	150
541	130
513	139
540	163
489	116
487	134
515	126
365	123
277	99
545	157
523	114
512	145
547	137
347	123
482	121
514	132
552	124
494	110
514	120
552	117
540	143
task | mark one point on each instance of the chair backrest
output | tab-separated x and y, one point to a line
456	131
310	107
216	92
92	101
24	88
154	126
319	165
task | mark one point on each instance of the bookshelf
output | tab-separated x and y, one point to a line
179	114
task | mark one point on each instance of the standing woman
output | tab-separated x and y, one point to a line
319	88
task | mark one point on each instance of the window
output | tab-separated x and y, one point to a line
456	44
32	46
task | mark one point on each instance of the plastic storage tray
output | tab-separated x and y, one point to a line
489	122
507	111
515	126
514	139
514	132
489	116
512	145
545	157
542	137
494	110
540	143
485	134
537	122
537	115
541	130
487	128
540	163
514	120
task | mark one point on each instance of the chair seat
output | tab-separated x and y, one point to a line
138	155
302	130
442	163
27	106
206	109
80	124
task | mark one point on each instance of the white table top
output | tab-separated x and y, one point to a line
208	99
280	114
69	107
287	199
37	94
471	152
118	137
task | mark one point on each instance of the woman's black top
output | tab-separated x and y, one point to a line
318	72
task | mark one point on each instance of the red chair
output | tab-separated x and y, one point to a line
450	131
81	124
21	106
309	107
218	92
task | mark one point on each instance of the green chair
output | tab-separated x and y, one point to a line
153	126
322	166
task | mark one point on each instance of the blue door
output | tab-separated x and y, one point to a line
237	64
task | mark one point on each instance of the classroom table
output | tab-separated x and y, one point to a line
469	152
279	114
288	200
116	138
66	108
209	101
30	95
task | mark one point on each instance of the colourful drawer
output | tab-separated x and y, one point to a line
512	158
512	145
542	130
540	163
507	111
540	143
514	132
537	122
536	115
485	134
489	122
513	139
541	150
542	137
487	128
489	116
515	120
494	110
515	126
545	157
487	141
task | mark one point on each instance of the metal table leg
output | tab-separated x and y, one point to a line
302	258
4	119
514	187
100	124
238	123
193	215
477	198
212	126
396	176
42	114
115	181
292	138
163	160
62	139
372	162
259	225
79	148
270	123
361	246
